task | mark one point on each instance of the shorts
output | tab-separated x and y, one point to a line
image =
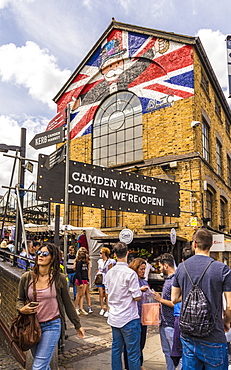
100	286
84	282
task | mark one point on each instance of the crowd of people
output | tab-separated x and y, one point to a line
123	289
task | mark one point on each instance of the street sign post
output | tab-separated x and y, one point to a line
48	138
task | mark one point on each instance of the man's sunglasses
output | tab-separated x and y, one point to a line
44	254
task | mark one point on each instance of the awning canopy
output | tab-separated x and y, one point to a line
137	238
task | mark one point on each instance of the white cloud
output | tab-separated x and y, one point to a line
33	68
4	3
10	132
215	47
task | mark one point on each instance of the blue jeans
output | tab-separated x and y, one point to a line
198	353
143	335
129	335
71	280
43	351
166	338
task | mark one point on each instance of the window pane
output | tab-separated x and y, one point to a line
104	129
104	151
121	147
97	153
137	143
138	131
129	133
120	158
112	149
97	131
112	138
129	157
120	136
138	155
96	142
112	160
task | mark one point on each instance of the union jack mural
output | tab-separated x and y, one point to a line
158	71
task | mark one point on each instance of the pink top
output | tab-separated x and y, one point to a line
48	304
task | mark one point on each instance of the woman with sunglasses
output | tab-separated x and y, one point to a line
53	300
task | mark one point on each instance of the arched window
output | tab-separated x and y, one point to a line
117	130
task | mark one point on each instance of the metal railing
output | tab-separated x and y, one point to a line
16	260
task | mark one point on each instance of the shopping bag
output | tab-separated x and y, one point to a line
150	314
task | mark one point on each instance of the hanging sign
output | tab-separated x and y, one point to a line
101	187
126	236
173	236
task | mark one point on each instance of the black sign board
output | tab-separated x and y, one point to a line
48	138
55	158
100	187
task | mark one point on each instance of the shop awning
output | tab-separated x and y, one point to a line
137	238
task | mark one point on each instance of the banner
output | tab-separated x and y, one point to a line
101	187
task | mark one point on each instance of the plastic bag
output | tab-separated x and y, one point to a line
150	314
150	310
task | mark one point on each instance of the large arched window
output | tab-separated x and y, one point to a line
117	130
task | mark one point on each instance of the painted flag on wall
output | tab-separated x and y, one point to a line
228	43
159	72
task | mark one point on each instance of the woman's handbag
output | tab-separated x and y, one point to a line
25	329
98	279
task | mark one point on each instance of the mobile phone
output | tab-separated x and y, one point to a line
34	304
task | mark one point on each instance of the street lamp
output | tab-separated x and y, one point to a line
21	176
5	148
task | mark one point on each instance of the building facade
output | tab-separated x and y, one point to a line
148	101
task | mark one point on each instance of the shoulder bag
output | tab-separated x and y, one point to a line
25	329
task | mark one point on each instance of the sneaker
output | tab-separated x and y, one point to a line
106	314
101	312
83	312
78	311
90	310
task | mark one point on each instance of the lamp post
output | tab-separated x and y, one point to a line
21	177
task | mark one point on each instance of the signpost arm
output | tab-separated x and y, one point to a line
66	208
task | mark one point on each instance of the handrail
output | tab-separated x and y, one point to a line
16	260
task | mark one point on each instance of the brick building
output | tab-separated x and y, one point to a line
148	101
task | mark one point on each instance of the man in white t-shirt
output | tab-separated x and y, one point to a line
148	268
122	287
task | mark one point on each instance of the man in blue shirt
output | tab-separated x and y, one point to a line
166	263
209	351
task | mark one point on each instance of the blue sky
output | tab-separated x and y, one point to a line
43	41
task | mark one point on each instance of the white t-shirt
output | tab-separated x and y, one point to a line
104	265
147	270
122	286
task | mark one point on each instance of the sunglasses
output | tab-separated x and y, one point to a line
44	254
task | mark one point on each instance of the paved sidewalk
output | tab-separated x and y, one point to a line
94	351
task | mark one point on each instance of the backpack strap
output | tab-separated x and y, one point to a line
201	274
